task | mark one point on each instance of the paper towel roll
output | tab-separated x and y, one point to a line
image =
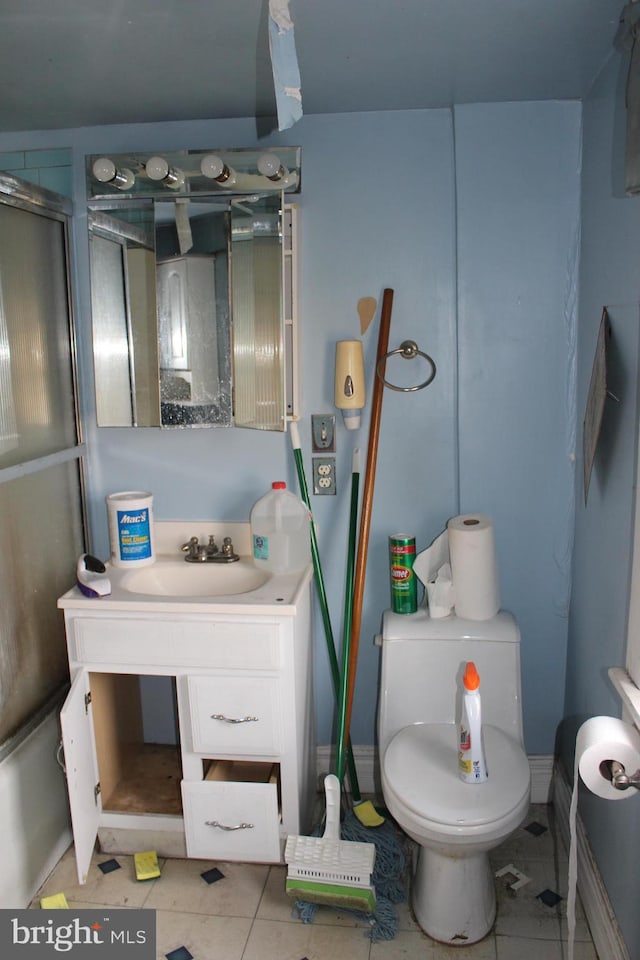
427	563
474	566
440	593
603	739
433	569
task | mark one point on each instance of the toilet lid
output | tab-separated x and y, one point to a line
421	766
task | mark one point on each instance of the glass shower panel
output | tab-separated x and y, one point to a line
36	380
40	540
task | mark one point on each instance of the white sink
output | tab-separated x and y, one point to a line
180	579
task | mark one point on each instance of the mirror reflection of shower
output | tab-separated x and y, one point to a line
192	287
170	281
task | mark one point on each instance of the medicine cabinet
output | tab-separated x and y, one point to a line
193	290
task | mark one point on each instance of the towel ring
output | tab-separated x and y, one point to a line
408	349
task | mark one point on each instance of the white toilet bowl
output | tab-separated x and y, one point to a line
455	824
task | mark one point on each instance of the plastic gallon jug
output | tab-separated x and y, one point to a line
280	531
471	758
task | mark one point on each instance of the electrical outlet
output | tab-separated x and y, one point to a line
323	433
324	476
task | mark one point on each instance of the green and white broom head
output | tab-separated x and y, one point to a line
328	870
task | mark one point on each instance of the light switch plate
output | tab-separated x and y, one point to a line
323	433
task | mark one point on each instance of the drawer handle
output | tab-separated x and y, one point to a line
221	716
223	826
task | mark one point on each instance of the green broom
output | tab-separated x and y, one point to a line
363	809
342	738
328	870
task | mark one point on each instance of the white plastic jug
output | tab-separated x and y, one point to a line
280	531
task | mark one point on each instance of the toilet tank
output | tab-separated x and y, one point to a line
423	661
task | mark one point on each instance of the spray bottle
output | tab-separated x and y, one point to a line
472	764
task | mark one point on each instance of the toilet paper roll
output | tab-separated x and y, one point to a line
474	566
599	741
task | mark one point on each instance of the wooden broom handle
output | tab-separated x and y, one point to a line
367	499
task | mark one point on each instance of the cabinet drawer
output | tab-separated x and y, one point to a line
235	716
231	821
178	643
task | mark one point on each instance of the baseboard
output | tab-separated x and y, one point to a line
541	768
366	761
605	932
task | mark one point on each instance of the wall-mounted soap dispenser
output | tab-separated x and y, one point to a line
349	395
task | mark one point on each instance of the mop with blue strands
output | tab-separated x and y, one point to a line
365	872
371	891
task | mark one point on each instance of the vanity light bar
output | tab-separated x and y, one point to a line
242	171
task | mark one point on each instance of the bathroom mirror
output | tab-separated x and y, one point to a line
188	309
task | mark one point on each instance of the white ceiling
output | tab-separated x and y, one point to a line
70	63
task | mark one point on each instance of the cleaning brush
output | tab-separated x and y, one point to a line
328	870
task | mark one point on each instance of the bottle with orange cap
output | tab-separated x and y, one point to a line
472	763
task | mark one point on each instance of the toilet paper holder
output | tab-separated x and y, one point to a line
614	771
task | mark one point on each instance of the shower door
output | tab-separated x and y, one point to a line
41	516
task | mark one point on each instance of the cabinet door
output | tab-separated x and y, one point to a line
81	768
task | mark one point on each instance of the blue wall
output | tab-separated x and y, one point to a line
471	217
518	169
609	276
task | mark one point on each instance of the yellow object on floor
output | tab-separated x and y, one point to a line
367	814
146	864
57	901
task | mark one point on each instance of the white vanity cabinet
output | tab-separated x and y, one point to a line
236	683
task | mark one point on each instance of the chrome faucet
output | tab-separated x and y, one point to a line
196	552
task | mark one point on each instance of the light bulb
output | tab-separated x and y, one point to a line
269	166
214	168
106	171
158	169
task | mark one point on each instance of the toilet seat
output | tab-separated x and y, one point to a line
421	769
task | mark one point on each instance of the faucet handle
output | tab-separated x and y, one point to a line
227	549
191	548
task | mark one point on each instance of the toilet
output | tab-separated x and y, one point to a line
455	824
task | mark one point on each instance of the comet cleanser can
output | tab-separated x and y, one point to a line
404	592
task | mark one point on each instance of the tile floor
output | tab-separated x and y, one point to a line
247	916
